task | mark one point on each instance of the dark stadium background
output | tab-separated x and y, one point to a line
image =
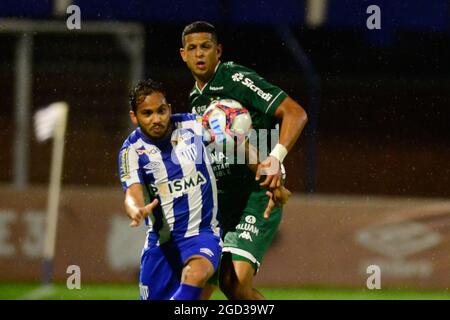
383	93
383	96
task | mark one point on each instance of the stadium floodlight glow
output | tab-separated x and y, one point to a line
51	122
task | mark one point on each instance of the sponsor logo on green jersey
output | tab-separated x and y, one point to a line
239	77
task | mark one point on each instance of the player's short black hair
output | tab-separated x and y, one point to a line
199	26
144	88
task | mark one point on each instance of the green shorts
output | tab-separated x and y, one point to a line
246	233
253	233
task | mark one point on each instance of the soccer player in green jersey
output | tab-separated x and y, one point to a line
242	197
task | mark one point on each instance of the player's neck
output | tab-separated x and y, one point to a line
202	81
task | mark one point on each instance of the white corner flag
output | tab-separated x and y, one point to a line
50	122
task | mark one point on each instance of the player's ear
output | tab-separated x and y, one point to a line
219	50
133	118
183	54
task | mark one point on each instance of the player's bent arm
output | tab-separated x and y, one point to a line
135	204
293	118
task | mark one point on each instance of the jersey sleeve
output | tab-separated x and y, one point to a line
129	170
253	91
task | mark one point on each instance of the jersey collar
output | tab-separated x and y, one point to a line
159	143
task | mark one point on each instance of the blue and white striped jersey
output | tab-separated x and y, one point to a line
176	171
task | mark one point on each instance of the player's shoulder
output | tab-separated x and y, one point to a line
131	140
231	67
187	121
183	117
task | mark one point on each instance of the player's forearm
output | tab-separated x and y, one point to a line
134	199
130	207
294	119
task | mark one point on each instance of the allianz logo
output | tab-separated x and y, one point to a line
239	77
178	187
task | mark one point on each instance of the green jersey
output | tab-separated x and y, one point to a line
260	98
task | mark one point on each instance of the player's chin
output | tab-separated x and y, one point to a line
156	134
200	71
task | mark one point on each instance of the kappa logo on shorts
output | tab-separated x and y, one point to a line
245	235
207	251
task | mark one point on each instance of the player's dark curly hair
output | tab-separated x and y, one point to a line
199	26
143	89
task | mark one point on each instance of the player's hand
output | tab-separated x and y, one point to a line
277	198
141	213
271	168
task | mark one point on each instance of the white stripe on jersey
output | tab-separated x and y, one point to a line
273	101
133	166
195	199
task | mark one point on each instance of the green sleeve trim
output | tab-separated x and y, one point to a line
275	102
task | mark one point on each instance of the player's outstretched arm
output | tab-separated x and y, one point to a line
293	119
135	206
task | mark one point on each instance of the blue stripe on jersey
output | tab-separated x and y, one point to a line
158	214
208	200
154	234
180	117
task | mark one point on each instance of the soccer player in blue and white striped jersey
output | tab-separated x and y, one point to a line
169	183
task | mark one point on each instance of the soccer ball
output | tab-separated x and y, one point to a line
227	121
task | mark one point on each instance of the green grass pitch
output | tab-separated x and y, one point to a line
22	291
